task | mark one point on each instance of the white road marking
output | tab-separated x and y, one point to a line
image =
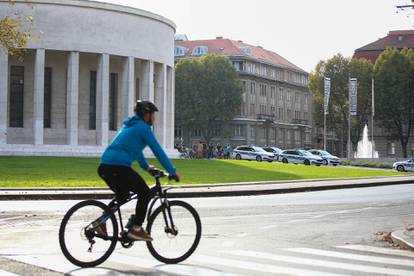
259	267
6	273
321	263
52	262
381	250
267	227
350	256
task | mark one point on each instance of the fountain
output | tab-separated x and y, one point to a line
364	149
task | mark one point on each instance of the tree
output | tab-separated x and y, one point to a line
339	69
394	94
208	93
15	33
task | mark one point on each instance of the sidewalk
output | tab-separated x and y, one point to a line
404	238
209	190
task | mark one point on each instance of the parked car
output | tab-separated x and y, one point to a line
252	153
326	156
300	157
276	151
404	166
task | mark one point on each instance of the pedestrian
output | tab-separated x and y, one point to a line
229	150
200	150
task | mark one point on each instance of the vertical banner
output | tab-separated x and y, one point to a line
326	93
353	94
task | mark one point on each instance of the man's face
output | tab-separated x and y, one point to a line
149	118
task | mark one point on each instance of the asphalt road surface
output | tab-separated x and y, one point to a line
313	233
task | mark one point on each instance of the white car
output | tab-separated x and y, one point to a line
404	166
300	157
252	153
326	156
276	151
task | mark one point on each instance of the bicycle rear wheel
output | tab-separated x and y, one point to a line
82	243
176	232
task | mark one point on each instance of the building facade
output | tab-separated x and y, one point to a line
89	63
276	107
399	39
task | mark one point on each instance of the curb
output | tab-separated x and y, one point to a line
402	239
215	190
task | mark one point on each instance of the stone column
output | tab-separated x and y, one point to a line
4	76
160	101
147	80
170	111
72	99
38	96
102	100
128	83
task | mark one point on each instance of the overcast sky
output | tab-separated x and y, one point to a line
303	31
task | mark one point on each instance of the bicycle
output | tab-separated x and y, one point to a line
173	225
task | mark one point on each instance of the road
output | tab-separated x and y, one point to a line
314	233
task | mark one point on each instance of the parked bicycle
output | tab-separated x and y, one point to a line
174	225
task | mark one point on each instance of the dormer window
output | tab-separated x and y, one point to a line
400	38
245	50
200	50
180	51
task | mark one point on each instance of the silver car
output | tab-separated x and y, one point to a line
326	156
404	166
300	157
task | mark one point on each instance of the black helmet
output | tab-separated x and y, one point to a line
142	107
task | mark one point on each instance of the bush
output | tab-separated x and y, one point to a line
370	164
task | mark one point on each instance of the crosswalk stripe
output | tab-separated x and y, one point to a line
381	250
350	256
259	267
6	273
321	263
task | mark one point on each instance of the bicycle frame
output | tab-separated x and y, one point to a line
158	194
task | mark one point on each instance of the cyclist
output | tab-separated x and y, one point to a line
115	166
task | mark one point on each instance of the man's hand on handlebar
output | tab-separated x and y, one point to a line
175	176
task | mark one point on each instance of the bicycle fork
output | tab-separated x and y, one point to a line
166	212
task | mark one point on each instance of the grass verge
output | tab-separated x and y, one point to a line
81	172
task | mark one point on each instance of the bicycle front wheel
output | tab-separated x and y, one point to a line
86	238
176	232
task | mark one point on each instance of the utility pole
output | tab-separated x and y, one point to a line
372	118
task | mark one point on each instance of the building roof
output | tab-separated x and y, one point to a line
395	39
229	47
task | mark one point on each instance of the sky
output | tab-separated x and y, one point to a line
302	31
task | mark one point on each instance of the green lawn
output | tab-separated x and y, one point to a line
76	172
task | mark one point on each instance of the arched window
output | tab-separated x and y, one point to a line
180	51
200	50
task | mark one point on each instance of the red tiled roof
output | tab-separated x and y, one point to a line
395	39
228	47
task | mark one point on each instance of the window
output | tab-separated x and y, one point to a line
297	136
289	115
297	114
262	88
137	84
197	132
217	131
239	65
237	130
16	96
262	109
289	96
245	50
180	51
391	148
113	87
47	98
280	113
252	132
280	94
273	109
92	100
178	131
272	92
263	70
253	87
252	109
200	50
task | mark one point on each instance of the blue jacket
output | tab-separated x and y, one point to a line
128	144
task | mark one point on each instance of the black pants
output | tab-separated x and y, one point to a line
122	180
